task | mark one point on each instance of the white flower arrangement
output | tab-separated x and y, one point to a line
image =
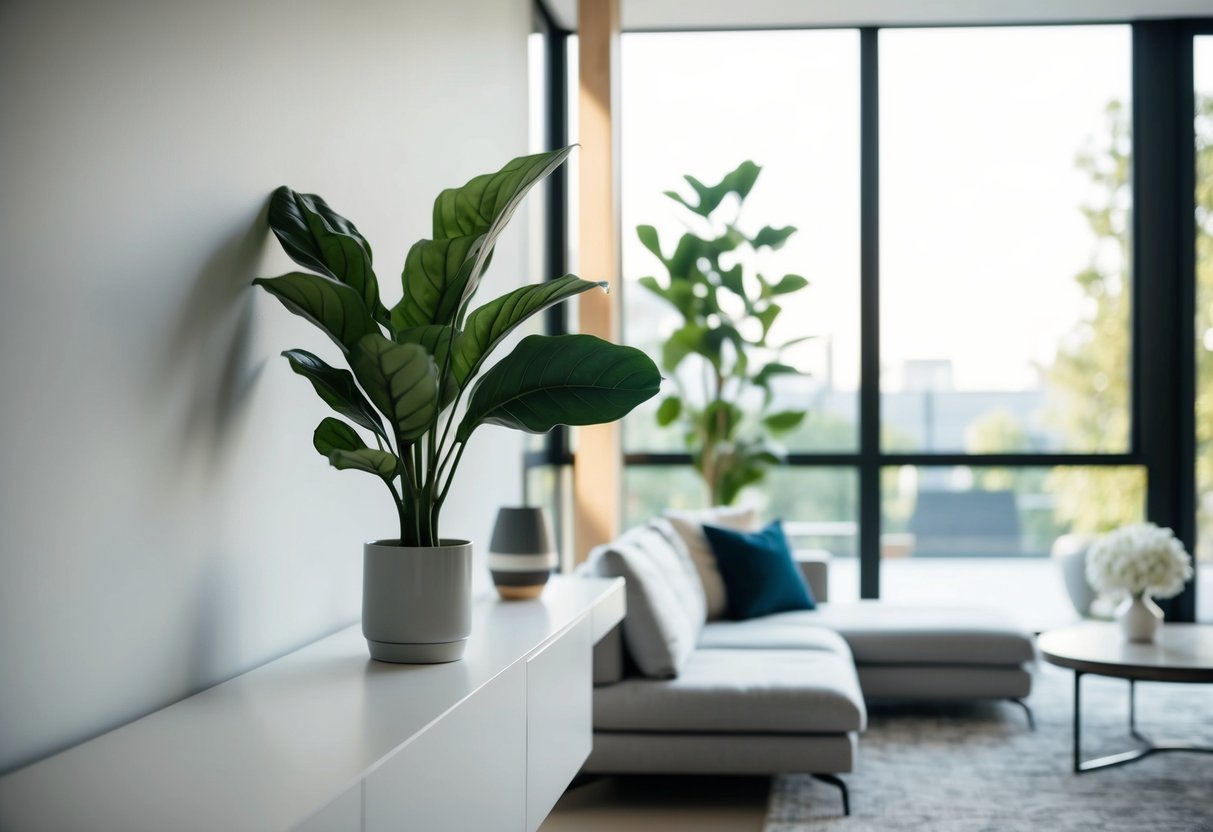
1139	558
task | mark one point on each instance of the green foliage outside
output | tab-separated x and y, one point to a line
1204	323
1089	377
413	364
722	348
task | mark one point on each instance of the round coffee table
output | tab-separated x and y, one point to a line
1181	653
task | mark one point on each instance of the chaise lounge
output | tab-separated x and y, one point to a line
680	693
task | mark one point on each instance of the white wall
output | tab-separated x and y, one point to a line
164	522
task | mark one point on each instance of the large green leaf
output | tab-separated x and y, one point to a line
649	239
783	421
436	340
669	410
337	388
772	369
789	283
683	341
475	207
561	380
335	435
486	204
317	237
435	275
380	463
772	237
489	324
341	445
401	380
738	181
334	307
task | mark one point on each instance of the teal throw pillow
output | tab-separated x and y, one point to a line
760	576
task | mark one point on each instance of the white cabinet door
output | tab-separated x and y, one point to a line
465	773
341	815
558	726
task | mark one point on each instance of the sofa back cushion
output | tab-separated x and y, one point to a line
689	525
666	606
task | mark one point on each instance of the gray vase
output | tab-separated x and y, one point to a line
416	601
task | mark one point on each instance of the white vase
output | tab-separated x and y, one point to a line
1139	618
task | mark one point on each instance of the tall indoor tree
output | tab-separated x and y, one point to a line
722	360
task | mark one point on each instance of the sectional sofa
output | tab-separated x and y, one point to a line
680	691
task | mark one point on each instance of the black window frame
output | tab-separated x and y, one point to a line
1162	438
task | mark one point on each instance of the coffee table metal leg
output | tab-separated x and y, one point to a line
1147	747
1077	721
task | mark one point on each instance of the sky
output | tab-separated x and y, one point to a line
981	230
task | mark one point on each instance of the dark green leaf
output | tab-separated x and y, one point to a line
784	420
653	286
335	435
561	380
317	237
475	207
380	463
763	377
401	380
436	340
682	265
486	204
648	238
732	280
669	411
495	320
789	283
436	272
772	237
719	420
337	388
681	343
334	307
738	181
767	317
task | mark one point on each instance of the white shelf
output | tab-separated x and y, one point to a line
273	747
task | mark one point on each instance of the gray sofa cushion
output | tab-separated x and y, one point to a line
689	525
666	607
771	632
879	632
740	691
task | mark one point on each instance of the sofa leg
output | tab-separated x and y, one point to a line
838	783
1027	711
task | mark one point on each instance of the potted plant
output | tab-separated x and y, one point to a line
420	386
1139	561
727	315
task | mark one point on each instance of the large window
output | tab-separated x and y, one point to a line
788	101
1004	259
997	339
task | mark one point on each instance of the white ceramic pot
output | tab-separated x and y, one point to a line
1139	618
416	601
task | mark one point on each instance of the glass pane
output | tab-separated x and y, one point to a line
966	534
1204	324
1005	317
548	486
701	103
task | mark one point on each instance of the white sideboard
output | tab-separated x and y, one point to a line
327	740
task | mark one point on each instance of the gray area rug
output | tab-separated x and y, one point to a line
976	767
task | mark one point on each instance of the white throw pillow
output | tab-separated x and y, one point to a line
689	525
666	605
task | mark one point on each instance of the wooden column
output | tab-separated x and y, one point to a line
598	471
